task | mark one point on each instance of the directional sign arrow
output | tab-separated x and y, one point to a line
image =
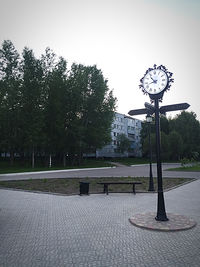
174	107
149	107
139	111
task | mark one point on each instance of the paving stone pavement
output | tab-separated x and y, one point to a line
48	230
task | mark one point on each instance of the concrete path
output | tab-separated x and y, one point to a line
134	171
43	230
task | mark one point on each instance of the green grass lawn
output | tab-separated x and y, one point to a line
134	161
130	161
194	168
86	163
70	186
19	167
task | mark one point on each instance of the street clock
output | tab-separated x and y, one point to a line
156	81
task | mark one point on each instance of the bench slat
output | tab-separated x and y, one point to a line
106	184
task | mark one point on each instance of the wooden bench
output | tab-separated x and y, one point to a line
106	184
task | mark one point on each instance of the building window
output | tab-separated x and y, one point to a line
131	135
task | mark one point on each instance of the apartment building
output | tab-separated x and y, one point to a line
129	126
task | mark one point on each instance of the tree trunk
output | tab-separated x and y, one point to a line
64	160
33	158
22	160
11	158
80	156
50	162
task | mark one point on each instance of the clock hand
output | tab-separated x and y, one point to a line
154	81
151	77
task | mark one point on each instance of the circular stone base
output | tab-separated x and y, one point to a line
175	223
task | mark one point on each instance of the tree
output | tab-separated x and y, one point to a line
10	83
31	110
164	145
48	110
144	134
55	106
99	108
180	136
123	143
145	145
164	124
91	109
188	127
175	145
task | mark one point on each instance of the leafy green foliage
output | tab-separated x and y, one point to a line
91	109
31	109
175	145
48	110
188	127
123	143
180	137
10	82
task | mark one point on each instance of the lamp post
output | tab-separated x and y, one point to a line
151	184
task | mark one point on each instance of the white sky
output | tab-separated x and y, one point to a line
122	37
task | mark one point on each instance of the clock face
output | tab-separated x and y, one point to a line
155	81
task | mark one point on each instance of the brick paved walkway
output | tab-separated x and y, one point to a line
49	230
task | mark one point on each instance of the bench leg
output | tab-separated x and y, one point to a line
133	188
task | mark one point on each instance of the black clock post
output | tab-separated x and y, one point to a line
154	83
161	213
150	109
